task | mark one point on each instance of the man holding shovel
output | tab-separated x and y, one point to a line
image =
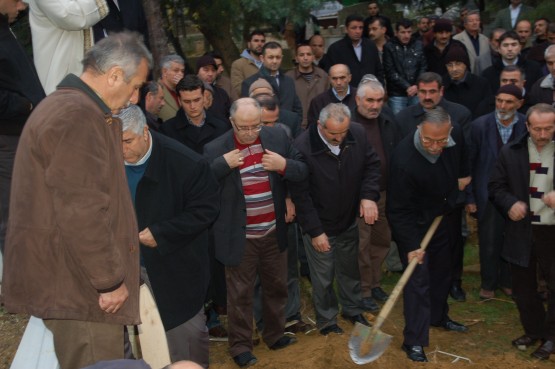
427	171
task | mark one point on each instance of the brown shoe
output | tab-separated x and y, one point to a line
217	334
296	326
486	294
543	352
507	291
523	342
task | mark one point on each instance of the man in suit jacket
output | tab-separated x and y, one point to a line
488	134
476	44
176	201
173	70
253	163
283	86
508	17
359	54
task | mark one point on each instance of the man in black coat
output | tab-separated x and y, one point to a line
253	163
443	42
522	188
359	54
176	200
428	169
193	126
20	92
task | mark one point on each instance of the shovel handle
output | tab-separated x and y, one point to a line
388	306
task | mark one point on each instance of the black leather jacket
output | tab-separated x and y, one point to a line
403	64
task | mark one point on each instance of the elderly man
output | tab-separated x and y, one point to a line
476	43
317	44
151	102
72	252
340	92
543	91
427	170
343	184
375	239
521	187
252	163
176	200
172	71
20	93
488	134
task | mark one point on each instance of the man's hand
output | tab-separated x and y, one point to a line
518	211
111	302
549	199
234	158
289	210
412	90
471	208
321	243
368	211
463	182
273	162
418	254
146	238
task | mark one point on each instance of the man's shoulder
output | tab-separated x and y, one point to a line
173	148
219	143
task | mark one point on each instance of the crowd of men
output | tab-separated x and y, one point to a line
216	190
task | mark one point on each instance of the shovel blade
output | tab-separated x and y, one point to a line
367	344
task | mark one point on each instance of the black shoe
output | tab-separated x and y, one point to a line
415	353
379	294
356	318
283	342
523	342
245	359
543	352
453	326
457	293
334	328
368	304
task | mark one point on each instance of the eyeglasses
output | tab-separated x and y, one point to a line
429	141
256	128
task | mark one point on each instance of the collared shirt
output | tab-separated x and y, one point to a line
505	131
334	149
201	122
514	14
338	97
515	62
358	49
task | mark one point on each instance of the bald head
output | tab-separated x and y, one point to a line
340	77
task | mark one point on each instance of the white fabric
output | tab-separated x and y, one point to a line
58	41
36	349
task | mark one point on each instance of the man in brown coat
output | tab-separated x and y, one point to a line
72	250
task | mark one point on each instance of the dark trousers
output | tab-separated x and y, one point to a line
425	294
8	146
537	322
374	244
455	222
263	257
494	271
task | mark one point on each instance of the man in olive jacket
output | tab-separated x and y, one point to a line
72	251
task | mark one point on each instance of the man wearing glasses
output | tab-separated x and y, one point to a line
252	164
427	171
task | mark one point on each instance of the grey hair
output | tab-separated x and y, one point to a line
437	115
540	108
369	84
471	12
550	51
167	60
125	50
133	119
152	87
337	112
243	102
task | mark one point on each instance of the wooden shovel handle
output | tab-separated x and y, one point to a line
405	277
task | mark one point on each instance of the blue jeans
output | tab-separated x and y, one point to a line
398	103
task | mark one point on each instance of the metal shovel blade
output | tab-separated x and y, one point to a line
367	344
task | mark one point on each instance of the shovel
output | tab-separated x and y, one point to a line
369	343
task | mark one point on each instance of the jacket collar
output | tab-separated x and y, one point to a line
73	82
317	146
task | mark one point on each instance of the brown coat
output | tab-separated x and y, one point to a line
72	231
169	110
306	91
241	69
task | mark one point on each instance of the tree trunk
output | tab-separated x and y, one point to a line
157	35
218	35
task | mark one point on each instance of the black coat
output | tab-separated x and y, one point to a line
178	200
19	83
531	69
509	183
474	93
402	65
328	200
342	52
229	229
194	138
128	15
324	99
436	59
418	190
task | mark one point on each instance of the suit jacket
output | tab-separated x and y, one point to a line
532	71
342	52
229	228
503	17
171	107
285	92
478	63
178	200
483	152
